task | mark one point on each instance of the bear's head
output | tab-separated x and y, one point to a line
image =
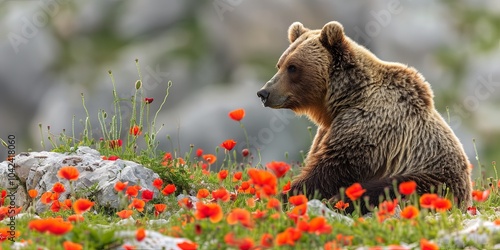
305	71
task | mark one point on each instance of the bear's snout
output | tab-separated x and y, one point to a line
263	94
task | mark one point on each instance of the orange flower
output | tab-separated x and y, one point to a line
251	202
297	212
140	234
480	196
427	200
407	188
237	114
210	158
55	206
442	204
186	245
239	215
203	193
427	245
274	203
263	181
68	245
228	144
185	202
132	191
159	208
6	233
341	205
169	189
52	225
319	226
33	193
355	191
237	176
279	168
135	130
242	244
69	173
137	204
119	186
298	199
222	175
409	212
286	188
82	205
158	183
58	188
125	214
288	237
221	194
266	240
258	214
76	218
212	211
46	198
115	143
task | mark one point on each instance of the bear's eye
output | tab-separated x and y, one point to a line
291	68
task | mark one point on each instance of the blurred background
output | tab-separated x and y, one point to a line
218	53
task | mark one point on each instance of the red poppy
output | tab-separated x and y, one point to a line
212	211
237	114
125	214
149	100
274	203
210	158
147	195
203	193
119	186
298	199
52	225
58	188
158	183
82	205
427	245
140	234
263	181
319	226
185	202
341	205
427	200
186	245
135	130
221	194
266	240
132	191
69	173
286	188
409	212
288	237
159	208
407	188
76	218
472	210
279	168
245	152
33	193
115	143
169	189
222	174
199	152
69	245
46	198
239	215
137	204
237	176
442	204
55	206
480	196
228	144
111	158
355	191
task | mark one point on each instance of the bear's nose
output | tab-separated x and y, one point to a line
263	94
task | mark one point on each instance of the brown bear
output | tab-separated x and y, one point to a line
376	120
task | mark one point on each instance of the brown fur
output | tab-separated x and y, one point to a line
376	120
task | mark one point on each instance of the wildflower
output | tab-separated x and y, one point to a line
111	158
298	199
221	194
132	191
125	214
137	204
427	200
76	218
147	195
119	186
266	240
242	244
288	237
135	130
169	189
355	191
54	226
237	176
69	245
286	188
140	234
6	232
297	212
407	188
212	211
480	196
237	115
185	202
442	204
222	175
115	143
210	158
341	205
472	211
58	188
245	152
319	226
228	144
158	183
279	168
159	208
69	173
82	205
167	157
33	193
239	215
55	207
186	245
427	245
263	181
203	193
409	212
149	100
46	198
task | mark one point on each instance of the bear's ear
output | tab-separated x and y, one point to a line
296	30
332	34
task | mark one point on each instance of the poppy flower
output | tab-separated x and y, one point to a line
69	245
298	199
185	202
82	205
68	203
222	175
202	193
442	204
159	208
158	183
263	181
237	176
212	211
46	198
147	195
286	188
279	168
355	191
199	152
137	204
6	232
245	152
140	234
58	188
125	214
266	240
273	203
427	200
288	237
472	210
112	158
407	188
240	215
54	226
33	193
115	143
169	189
76	218
409	212
119	186
297	212
209	158
427	245
319	226
167	156
148	100
69	173
132	191
186	245
237	115
480	196
135	130
341	205
228	144
221	194
389	207
55	206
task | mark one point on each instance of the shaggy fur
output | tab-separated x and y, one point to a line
376	120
